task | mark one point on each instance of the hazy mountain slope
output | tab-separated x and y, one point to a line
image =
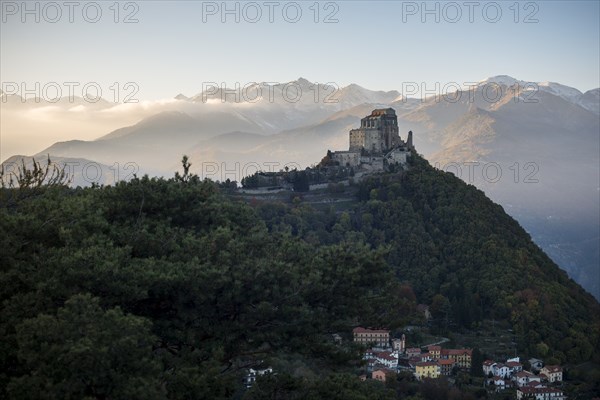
155	127
235	141
560	137
301	146
548	155
155	142
590	100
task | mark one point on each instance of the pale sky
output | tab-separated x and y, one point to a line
378	45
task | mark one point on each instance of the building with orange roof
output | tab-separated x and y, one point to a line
462	357
379	337
435	351
413	352
428	369
553	373
379	375
446	366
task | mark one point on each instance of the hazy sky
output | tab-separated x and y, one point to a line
176	46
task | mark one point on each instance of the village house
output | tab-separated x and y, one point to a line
379	337
435	352
446	366
501	370
379	375
553	373
535	384
428	369
536	364
413	352
523	378
514	366
413	361
540	393
462	357
488	367
499	383
387	359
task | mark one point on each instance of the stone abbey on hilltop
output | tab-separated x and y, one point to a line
375	144
374	147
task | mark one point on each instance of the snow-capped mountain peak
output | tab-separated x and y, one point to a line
501	80
557	89
588	100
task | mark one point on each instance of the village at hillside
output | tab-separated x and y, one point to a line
386	356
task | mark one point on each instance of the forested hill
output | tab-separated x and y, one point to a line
461	254
157	289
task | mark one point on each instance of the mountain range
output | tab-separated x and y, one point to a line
532	147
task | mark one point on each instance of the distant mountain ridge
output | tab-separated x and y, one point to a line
300	92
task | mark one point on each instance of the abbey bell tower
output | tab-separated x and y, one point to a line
378	132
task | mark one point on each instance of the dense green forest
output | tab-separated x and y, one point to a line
171	289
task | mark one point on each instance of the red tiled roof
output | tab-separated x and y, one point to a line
386	355
426	364
533	383
457	352
528	390
360	329
523	374
445	362
488	363
511	364
379	370
553	368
